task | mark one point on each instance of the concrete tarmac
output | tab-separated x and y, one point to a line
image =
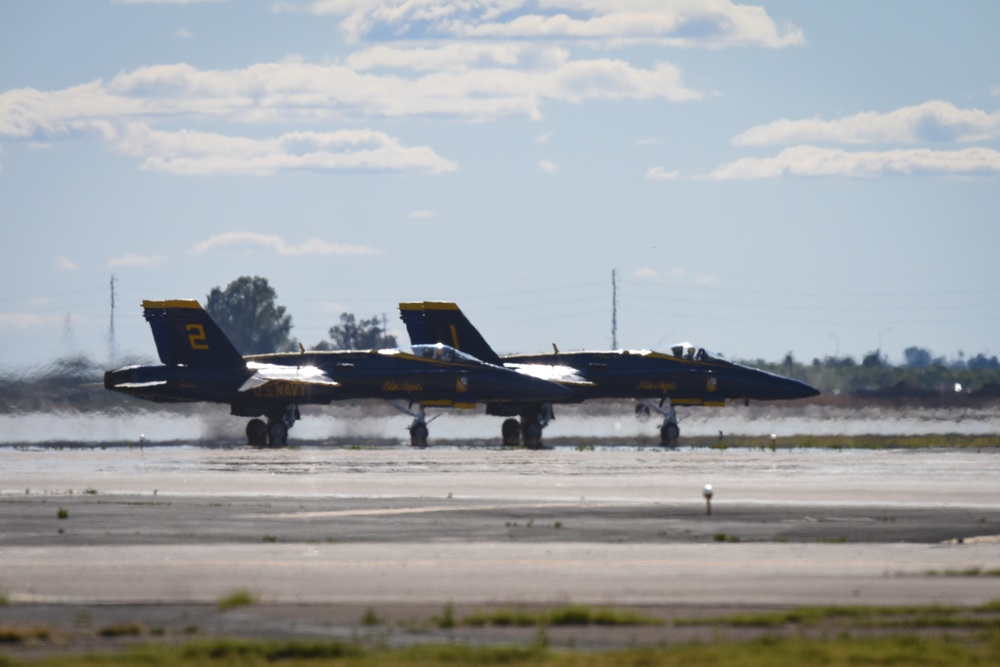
407	531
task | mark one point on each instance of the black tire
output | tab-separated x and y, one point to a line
277	434
511	433
418	435
256	433
670	435
532	434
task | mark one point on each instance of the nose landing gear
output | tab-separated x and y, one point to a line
670	431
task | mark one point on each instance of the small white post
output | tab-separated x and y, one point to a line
707	492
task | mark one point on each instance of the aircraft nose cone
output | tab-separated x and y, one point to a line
797	389
543	390
764	386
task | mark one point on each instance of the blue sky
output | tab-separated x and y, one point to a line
821	178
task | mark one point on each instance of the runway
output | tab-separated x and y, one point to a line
398	528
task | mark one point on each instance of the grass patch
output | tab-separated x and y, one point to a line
966	572
766	652
993	606
132	629
62	513
11	635
370	618
569	615
447	619
246	652
863	616
238	598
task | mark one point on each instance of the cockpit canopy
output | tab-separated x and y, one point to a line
437	351
691	353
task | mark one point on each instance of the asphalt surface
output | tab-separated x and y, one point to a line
320	535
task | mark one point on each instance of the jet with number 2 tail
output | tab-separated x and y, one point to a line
685	376
199	363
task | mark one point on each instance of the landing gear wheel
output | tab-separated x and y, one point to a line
418	435
256	433
511	432
669	435
277	434
532	435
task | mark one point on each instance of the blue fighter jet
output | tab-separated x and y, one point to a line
199	363
687	375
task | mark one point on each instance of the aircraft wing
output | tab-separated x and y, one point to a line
565	375
267	373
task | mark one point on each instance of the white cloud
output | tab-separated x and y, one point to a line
283	7
930	122
814	161
422	215
203	153
543	138
548	166
448	57
278	245
705	280
183	33
136	261
677	23
661	174
646	273
65	264
295	91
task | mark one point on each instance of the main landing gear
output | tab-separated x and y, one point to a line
529	429
670	432
273	433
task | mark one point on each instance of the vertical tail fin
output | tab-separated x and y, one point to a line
429	322
186	335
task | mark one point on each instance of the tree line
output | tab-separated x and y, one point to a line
248	313
920	375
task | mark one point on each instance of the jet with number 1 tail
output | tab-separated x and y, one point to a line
199	363
685	376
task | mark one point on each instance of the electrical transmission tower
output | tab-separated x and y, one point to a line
614	309
111	327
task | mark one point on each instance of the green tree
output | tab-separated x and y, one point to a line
352	334
247	313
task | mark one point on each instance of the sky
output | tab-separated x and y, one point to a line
759	178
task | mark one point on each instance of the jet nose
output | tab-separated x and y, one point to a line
544	390
798	389
763	386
